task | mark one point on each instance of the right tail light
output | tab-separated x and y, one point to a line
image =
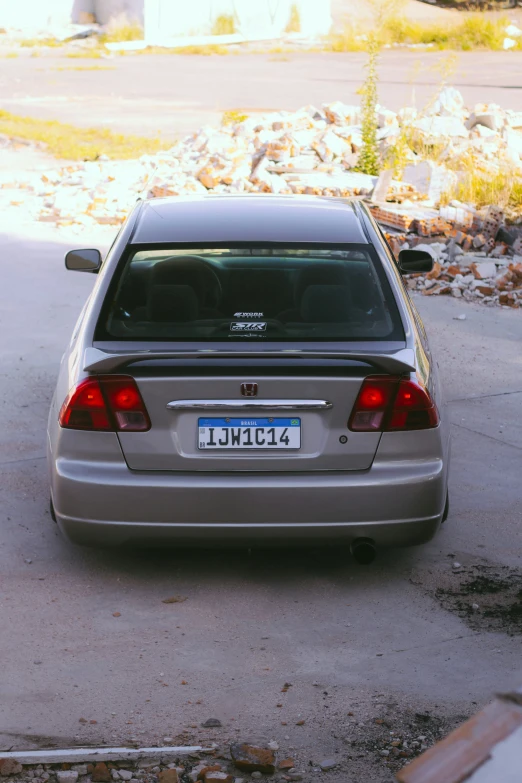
392	404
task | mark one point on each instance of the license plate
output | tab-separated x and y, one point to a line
249	433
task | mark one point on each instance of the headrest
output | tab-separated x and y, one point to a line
172	303
319	274
326	304
183	270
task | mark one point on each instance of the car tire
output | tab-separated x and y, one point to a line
51	510
446	508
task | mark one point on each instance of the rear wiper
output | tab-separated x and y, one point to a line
395	362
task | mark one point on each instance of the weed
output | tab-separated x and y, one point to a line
29	43
224	24
481	188
294	23
369	158
121	28
87	54
74	143
206	51
233	116
474	31
85	68
349	39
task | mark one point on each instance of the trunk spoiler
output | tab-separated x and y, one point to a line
396	363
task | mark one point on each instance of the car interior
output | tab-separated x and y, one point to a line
249	294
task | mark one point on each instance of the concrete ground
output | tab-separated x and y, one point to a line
85	634
174	94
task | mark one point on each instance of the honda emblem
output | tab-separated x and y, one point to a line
249	389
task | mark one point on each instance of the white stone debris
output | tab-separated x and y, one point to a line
314	151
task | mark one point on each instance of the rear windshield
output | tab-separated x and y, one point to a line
246	294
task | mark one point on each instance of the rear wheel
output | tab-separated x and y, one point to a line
446	508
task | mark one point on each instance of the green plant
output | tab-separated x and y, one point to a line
224	24
368	161
294	23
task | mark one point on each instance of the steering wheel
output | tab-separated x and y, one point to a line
215	289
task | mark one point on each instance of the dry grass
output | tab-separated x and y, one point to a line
87	54
85	68
481	188
476	185
233	116
474	31
121	28
294	23
73	143
206	51
350	39
224	24
29	43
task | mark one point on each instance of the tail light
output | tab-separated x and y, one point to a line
390	404
110	403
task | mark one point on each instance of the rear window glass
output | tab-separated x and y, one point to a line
216	294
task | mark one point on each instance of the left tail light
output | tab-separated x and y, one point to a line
110	403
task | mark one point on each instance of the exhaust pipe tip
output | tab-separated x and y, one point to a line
363	550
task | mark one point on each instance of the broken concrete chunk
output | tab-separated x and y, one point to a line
340	114
430	180
10	767
448	103
386	118
68	776
382	186
494	119
483	270
441	127
253	758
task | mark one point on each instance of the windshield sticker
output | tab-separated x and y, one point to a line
248	315
248	326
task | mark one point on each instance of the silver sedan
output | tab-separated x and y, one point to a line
249	369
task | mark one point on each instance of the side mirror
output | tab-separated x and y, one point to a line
415	261
83	260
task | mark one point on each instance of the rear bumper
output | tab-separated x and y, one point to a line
104	504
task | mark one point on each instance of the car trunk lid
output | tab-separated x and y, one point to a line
315	395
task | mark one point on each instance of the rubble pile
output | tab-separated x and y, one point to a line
243	761
314	151
479	262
